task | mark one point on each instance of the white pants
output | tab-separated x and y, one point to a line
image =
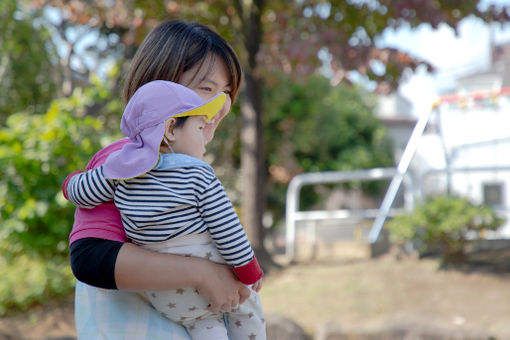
188	308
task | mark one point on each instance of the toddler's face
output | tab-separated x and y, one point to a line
190	138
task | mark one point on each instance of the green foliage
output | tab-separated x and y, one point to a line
28	280
444	223
25	63
37	152
318	127
334	128
41	141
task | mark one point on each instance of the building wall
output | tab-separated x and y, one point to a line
470	130
475	134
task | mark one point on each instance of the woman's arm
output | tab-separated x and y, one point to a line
117	265
137	269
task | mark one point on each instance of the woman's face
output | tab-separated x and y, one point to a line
207	81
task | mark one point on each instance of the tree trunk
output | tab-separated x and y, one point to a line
252	161
252	154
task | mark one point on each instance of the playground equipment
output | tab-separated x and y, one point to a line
398	175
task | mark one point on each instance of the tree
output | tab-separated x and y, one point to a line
285	36
24	59
318	127
37	152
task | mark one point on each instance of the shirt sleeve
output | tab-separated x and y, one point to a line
228	233
89	189
93	261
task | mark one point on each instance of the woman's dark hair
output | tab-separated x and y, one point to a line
174	47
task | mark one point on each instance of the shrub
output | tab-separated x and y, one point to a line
444	223
37	152
29	280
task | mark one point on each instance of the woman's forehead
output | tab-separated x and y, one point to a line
211	69
203	70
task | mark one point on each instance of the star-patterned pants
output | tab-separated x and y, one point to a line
187	307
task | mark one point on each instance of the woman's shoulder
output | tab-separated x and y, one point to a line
100	157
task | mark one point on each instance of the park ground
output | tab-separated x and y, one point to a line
361	293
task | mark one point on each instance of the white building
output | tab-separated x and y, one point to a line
466	147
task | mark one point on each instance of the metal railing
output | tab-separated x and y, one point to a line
293	215
397	175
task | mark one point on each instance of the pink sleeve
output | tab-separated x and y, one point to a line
104	220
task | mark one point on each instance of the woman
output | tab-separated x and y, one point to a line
198	58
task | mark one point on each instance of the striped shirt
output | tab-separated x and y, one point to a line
164	204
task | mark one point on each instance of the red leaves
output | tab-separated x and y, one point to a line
291	41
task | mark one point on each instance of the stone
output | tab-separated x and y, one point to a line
280	327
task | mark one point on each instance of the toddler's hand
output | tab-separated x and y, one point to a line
257	286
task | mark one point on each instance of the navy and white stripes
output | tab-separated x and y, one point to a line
163	204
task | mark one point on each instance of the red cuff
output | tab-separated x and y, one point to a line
250	272
66	181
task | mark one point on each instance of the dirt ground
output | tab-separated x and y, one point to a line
358	293
54	320
368	295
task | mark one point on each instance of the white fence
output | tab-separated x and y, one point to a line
293	215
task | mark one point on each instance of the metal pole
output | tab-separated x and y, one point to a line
402	167
291	208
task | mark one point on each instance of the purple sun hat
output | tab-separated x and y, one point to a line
144	120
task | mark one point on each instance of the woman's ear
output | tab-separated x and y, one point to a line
169	129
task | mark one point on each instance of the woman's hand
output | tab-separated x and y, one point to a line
221	287
209	131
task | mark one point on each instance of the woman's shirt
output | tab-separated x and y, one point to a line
104	220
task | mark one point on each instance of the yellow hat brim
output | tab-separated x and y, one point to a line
209	109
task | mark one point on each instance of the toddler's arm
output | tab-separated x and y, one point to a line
228	233
88	189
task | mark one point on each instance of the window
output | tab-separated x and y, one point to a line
493	194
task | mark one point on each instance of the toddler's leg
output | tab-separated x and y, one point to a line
212	328
180	304
247	321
